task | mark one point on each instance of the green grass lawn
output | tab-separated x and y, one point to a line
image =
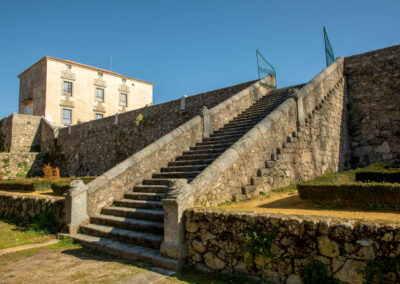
12	235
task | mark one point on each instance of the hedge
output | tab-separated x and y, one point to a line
378	176
26	184
361	195
61	186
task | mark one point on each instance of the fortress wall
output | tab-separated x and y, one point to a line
373	86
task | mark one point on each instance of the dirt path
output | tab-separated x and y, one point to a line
56	264
291	204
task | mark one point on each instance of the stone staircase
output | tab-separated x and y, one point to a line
133	226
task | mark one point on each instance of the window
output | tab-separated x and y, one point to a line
99	116
67	88
68	66
100	74
123	99
123	80
66	116
99	95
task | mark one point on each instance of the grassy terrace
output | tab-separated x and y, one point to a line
287	200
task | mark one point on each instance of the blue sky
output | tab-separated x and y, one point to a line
187	47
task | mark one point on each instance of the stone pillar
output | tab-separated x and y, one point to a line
76	206
206	121
183	102
173	245
299	108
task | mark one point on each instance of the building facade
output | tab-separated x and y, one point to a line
68	92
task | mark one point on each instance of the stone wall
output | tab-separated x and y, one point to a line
20	165
115	138
374	97
32	90
21	133
5	134
26	208
216	240
25	133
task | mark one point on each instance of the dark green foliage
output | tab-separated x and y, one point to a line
259	242
317	273
45	222
25	184
59	186
363	195
62	185
3	147
377	269
379	172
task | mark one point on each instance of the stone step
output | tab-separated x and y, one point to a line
128	251
177	175
230	131
129	223
204	151
159	181
146	214
143	204
137	238
151	188
144	196
239	128
198	157
189	168
211	146
191	162
222	137
222	141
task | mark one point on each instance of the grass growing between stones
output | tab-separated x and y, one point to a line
192	275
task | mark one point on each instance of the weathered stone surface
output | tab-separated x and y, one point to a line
213	262
366	242
293	279
371	80
26	208
198	246
351	272
327	247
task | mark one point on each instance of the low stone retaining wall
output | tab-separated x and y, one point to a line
217	240
25	208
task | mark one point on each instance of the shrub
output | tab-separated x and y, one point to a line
316	273
47	171
25	184
61	186
51	173
364	195
56	173
259	242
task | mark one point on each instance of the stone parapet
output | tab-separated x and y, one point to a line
217	241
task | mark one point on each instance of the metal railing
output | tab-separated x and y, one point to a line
266	72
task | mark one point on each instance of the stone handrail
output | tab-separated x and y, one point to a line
117	181
222	179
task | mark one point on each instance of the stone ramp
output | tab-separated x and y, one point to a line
133	226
